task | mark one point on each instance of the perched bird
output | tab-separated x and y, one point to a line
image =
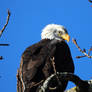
36	63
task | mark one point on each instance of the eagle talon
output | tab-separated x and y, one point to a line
52	88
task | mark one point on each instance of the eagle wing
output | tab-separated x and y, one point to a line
32	62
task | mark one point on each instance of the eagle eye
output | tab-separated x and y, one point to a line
60	32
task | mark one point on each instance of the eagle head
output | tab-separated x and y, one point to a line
54	31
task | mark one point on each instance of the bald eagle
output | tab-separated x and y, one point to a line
36	60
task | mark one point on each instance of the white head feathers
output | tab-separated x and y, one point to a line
48	31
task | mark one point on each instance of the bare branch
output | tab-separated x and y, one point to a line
54	68
1	57
36	84
53	64
45	85
90	1
83	51
8	17
89	50
81	85
74	88
4	44
80	56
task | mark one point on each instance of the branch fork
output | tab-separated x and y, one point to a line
83	51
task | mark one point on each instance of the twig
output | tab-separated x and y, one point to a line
36	84
89	50
1	57
90	1
83	51
4	44
54	68
8	17
53	64
80	56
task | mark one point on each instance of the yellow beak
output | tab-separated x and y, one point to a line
66	37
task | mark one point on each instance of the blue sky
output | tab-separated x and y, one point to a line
28	18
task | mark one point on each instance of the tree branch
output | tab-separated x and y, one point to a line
83	51
53	64
45	85
1	57
54	69
81	85
2	30
90	1
74	88
4	44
